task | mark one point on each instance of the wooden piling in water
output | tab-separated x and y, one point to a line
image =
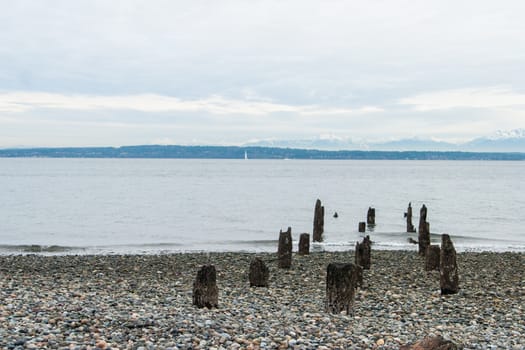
424	231
371	216
408	215
318	222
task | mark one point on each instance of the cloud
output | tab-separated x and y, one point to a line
17	102
492	97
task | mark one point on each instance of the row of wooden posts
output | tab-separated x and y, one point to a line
342	279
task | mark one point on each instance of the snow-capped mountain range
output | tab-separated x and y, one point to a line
500	141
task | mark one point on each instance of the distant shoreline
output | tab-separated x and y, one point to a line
239	152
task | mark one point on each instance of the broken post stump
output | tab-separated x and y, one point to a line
424	239
408	215
362	226
359	279
304	244
284	252
205	291
424	231
371	216
448	267
341	282
362	253
259	273
318	222
432	258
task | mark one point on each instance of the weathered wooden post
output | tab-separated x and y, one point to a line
304	244
359	281
341	282
205	291
363	253
408	215
284	252
448	267
424	231
259	273
318	222
362	226
371	216
432	258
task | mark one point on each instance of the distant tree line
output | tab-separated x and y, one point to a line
236	152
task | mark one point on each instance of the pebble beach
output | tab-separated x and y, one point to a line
145	302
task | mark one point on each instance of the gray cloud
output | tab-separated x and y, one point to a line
302	67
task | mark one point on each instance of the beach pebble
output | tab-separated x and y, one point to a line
113	301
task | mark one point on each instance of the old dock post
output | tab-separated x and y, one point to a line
259	273
371	216
341	282
424	231
304	244
318	222
448	267
205	291
363	252
408	215
284	252
432	258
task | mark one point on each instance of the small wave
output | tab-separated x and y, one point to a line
248	242
38	248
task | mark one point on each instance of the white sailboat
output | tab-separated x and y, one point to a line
245	155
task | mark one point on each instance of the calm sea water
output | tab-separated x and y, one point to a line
150	206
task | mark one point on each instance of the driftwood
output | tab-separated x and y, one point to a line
318	222
284	252
448	267
304	244
424	231
408	216
341	282
432	258
259	273
205	291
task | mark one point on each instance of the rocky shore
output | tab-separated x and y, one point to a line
145	302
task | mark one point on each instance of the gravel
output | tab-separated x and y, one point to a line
145	302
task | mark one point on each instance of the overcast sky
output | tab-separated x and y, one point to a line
90	73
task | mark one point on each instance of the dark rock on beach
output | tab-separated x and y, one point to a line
431	343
